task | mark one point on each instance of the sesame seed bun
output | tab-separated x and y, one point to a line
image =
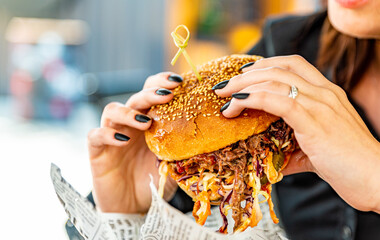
191	123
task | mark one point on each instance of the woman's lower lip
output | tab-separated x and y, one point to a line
351	3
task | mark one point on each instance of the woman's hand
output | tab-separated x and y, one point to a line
120	159
335	142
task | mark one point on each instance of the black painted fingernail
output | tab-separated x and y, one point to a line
246	65
240	95
142	118
175	78
163	92
121	137
225	106
220	85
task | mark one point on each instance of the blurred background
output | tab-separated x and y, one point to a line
62	61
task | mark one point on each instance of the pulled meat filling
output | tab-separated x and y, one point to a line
247	168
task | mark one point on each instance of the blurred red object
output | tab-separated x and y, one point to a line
21	83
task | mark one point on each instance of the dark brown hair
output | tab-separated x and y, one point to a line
346	57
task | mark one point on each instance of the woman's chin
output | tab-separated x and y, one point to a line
359	33
356	29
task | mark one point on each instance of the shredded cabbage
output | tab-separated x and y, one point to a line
228	187
285	144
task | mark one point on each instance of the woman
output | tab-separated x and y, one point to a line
335	141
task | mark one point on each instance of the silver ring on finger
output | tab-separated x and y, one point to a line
293	93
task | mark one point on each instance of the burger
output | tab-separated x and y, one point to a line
216	160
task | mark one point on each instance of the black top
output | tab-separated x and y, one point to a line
308	207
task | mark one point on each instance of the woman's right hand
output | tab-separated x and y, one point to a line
120	159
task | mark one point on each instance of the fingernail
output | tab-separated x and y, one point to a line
225	106
121	137
240	95
220	85
246	65
142	118
175	78
163	92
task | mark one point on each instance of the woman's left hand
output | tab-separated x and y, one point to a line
334	140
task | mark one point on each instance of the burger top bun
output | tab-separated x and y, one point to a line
191	123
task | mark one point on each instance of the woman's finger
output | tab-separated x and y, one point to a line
149	97
289	109
117	113
275	74
98	138
268	86
295	64
298	163
167	80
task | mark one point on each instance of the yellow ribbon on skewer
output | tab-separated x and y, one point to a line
181	43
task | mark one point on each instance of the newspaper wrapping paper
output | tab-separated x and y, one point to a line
162	221
90	223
